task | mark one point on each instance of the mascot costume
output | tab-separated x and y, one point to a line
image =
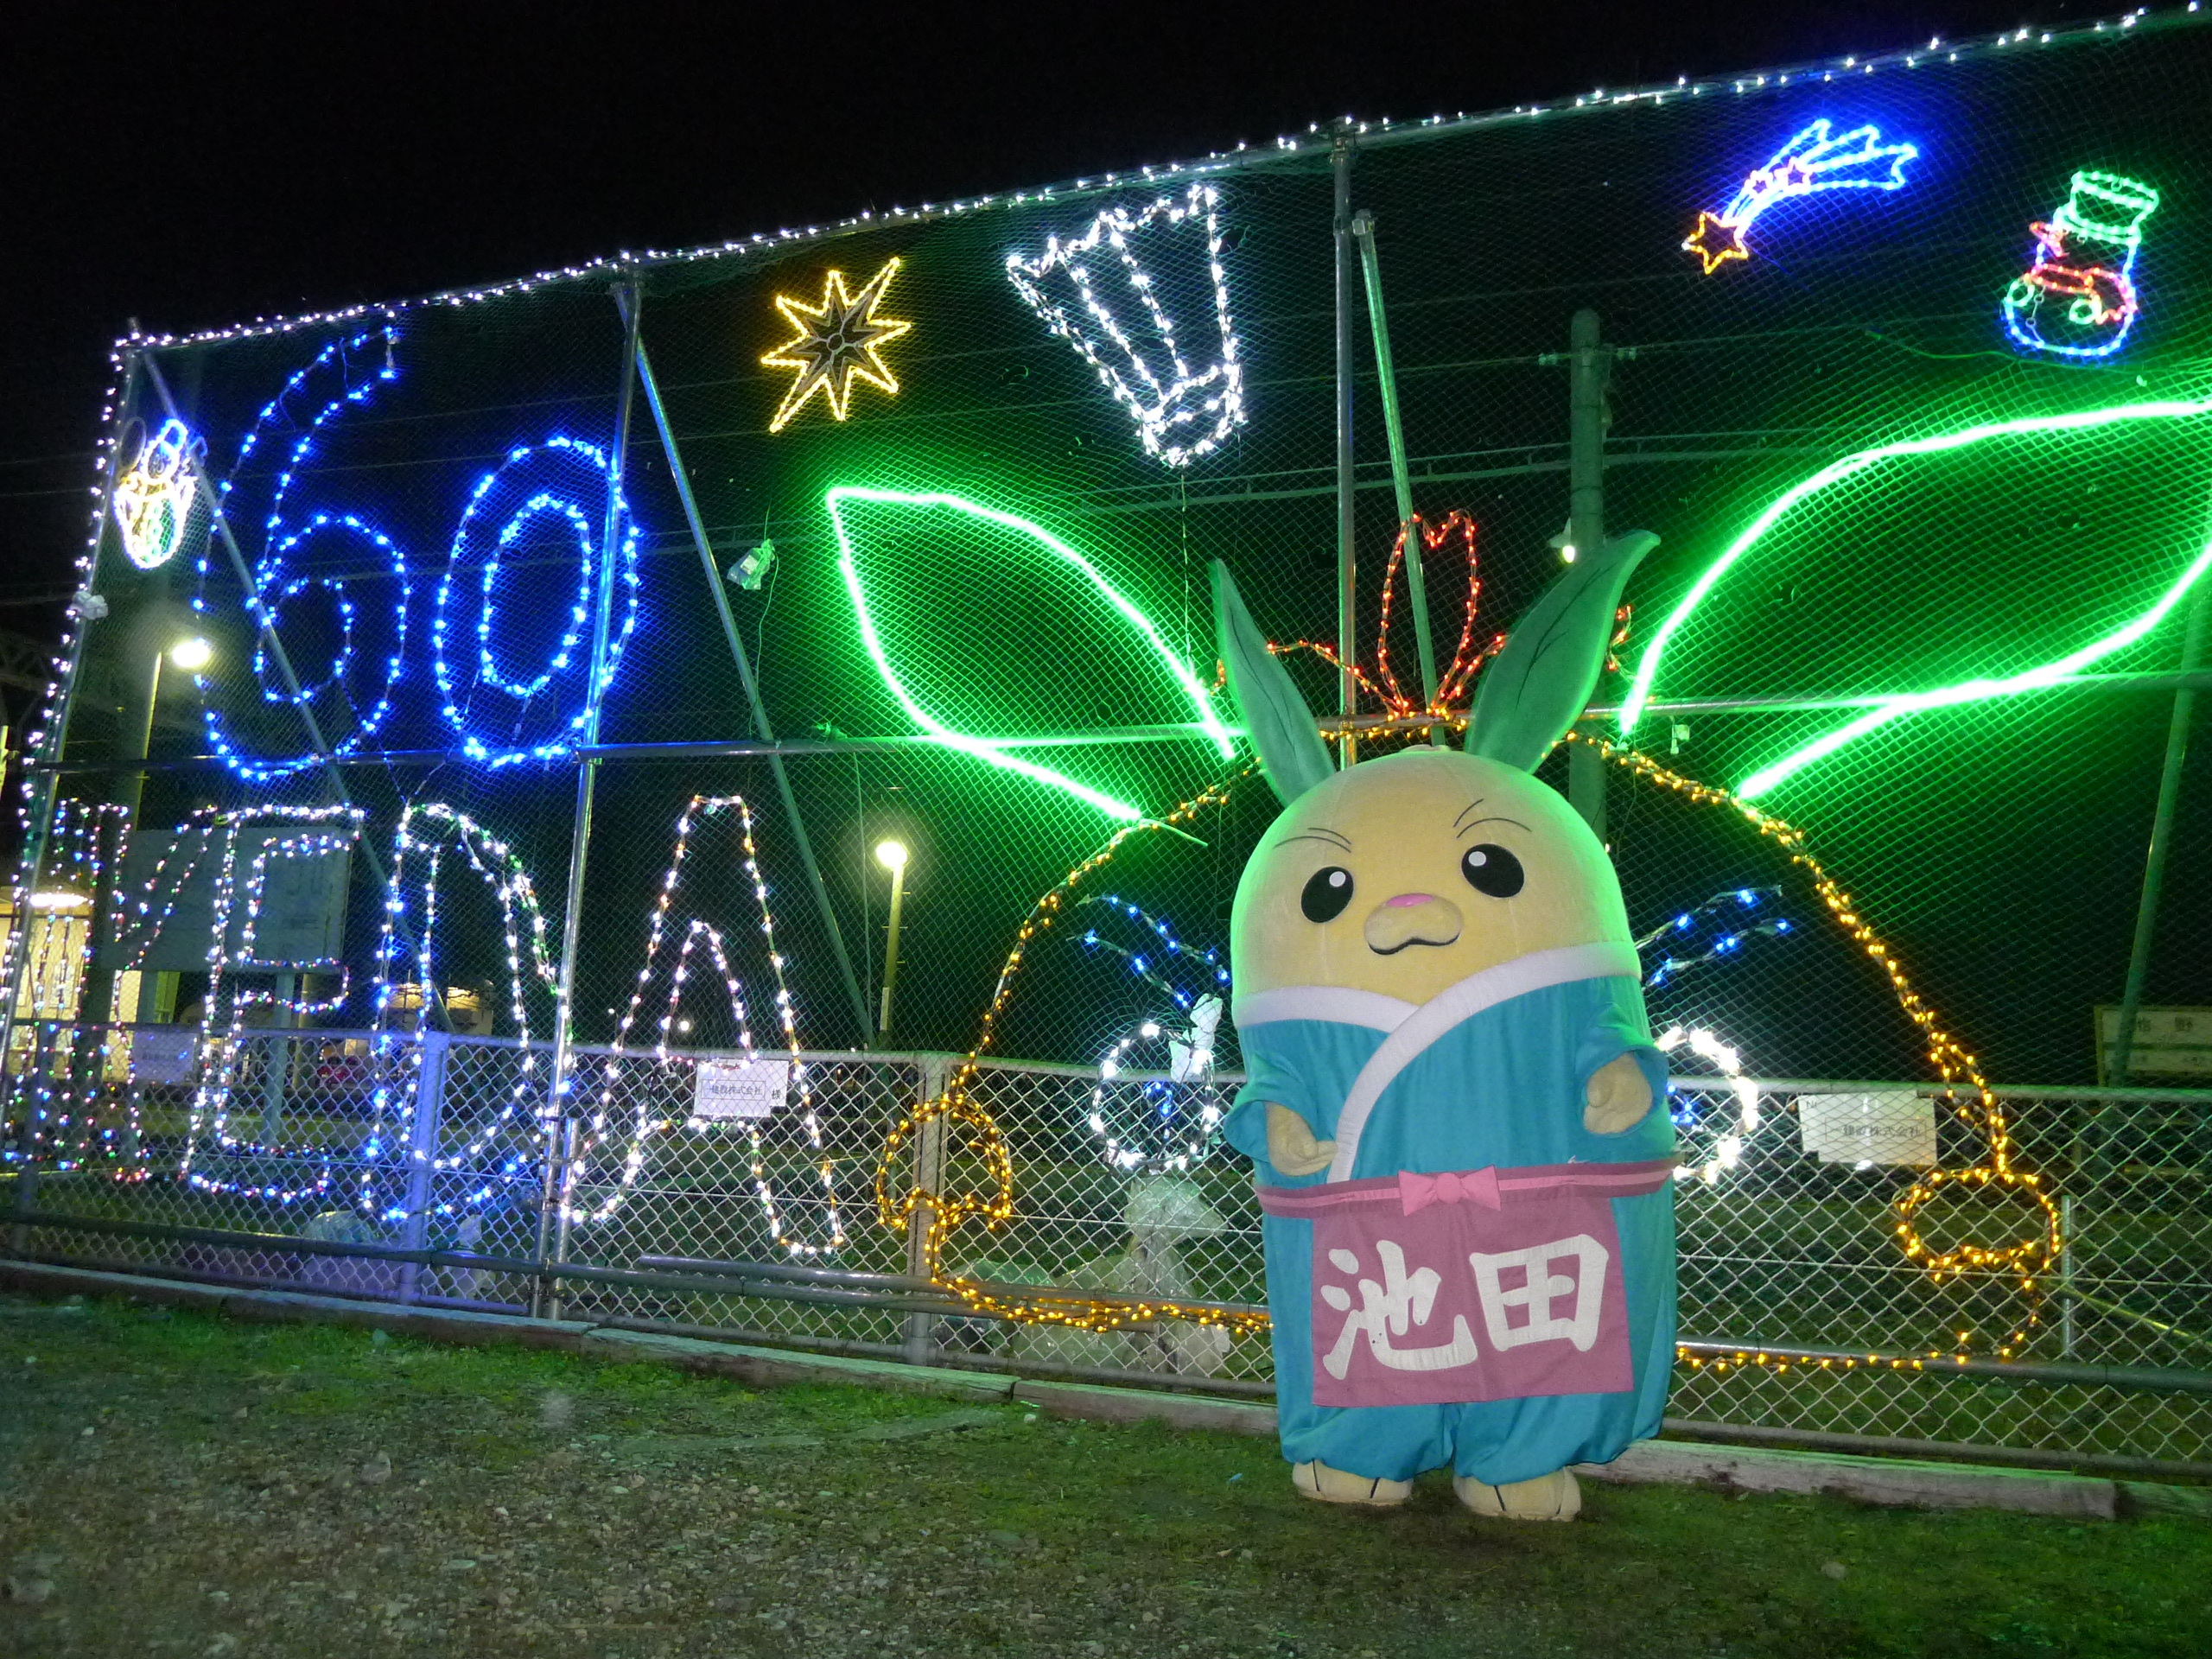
1455	1109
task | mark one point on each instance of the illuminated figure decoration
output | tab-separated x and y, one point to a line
1889	708
1453	1104
2078	299
1181	413
1725	1137
1813	162
1055	573
838	342
1147	1114
154	496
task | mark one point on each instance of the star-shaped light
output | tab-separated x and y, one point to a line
1715	241
837	341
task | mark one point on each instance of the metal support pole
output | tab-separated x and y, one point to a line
891	945
553	1206
2162	824
38	822
96	988
929	1176
760	727
1347	689
1587	363
205	490
276	1060
422	1155
2066	1274
1362	228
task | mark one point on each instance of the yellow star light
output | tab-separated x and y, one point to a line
837	341
1715	241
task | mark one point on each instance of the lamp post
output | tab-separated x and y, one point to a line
892	855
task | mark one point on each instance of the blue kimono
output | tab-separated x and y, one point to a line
1488	1075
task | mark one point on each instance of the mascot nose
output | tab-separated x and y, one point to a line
1411	918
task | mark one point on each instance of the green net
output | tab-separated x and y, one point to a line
1922	447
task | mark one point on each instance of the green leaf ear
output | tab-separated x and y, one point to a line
1533	690
1292	754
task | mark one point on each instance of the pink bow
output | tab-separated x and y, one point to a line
1417	1192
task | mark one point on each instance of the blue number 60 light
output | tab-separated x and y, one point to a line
561	479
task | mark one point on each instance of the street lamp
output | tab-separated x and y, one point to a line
892	855
192	654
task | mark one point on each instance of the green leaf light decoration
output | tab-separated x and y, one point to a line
1889	707
1064	618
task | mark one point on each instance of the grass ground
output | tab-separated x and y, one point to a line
172	1483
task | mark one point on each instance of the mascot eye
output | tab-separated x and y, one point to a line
1326	894
1489	868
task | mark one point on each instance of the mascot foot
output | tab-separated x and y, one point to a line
1548	1498
1335	1486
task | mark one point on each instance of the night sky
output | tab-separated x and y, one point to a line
192	170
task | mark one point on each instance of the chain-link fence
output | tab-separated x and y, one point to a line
1801	1315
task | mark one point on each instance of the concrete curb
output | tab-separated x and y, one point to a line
1886	1481
1889	1481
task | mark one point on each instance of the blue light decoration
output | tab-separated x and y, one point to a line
1167	1117
2078	298
533	473
1716	1126
1814	160
324	694
1716	931
564	479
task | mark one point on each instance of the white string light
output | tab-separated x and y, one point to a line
1167	399
1727	1149
223	1020
700	808
54	925
398	1054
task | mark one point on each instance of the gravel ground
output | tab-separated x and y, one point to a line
173	1483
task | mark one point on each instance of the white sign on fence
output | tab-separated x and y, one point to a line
164	1056
2169	1043
740	1089
1885	1128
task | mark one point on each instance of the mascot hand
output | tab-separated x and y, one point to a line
1291	1146
1618	1097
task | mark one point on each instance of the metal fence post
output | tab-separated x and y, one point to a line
423	1154
1347	689
1587	366
19	1235
929	1175
553	1203
762	729
2162	824
2066	1273
1386	375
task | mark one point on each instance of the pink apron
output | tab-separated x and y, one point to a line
1486	1284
